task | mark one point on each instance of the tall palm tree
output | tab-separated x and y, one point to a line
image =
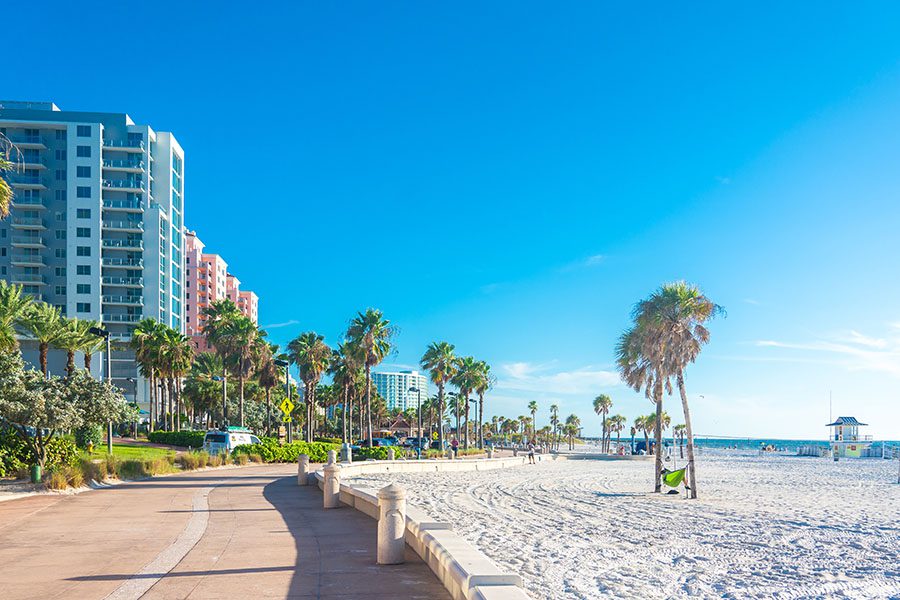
9	157
344	370
269	376
14	305
617	424
679	432
645	425
90	343
440	362
483	383
602	404
533	408
312	356
217	319
240	340
572	425
371	334
71	340
44	323
200	387
554	423
465	379
177	357
672	322
146	340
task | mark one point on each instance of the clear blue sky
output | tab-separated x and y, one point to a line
513	176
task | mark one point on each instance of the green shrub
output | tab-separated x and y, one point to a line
376	452
183	439
89	433
215	460
271	451
328	440
241	459
15	455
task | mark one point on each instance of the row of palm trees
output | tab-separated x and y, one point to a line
22	316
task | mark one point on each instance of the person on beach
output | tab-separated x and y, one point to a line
531	452
454	445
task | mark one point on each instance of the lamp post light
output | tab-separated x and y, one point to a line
478	439
104	333
287	393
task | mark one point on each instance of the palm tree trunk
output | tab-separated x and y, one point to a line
690	434
440	415
43	348
344	415
657	486
369	403
171	404
268	411
241	405
178	406
466	424
87	361
480	417
310	410
70	363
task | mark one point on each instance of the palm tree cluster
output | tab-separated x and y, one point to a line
164	356
469	376
667	334
23	317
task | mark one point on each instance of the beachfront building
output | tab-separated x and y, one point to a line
845	438
96	223
395	386
208	280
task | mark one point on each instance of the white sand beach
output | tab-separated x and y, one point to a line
765	526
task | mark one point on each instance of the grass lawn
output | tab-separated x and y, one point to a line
130	452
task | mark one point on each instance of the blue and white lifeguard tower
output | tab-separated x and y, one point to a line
845	438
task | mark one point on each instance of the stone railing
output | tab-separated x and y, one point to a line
463	569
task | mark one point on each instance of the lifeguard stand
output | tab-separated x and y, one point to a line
845	438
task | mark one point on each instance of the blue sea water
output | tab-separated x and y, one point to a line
755	443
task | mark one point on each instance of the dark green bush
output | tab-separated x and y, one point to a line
271	451
183	439
378	452
15	455
89	433
328	440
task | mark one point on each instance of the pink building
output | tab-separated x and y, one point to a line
207	280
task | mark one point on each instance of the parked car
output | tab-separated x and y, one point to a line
218	441
377	442
415	442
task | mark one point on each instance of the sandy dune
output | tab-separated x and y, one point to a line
765	526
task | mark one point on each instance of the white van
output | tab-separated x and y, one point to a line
219	442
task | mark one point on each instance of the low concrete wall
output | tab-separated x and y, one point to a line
463	569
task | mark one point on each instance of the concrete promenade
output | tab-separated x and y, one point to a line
247	532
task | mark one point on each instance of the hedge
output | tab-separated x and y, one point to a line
15	455
183	439
376	452
271	451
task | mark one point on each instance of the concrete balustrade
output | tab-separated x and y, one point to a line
331	492
303	469
391	546
346	453
391	454
332	457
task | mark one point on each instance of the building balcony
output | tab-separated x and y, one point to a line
27	279
123	185
27	182
123	300
123	226
135	282
30	163
129	166
124	145
20	241
123	205
29	142
27	260
122	319
123	263
29	202
27	223
123	244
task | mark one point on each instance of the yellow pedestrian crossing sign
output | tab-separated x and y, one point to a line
287	407
286	419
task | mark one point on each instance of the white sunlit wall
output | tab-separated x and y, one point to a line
394	388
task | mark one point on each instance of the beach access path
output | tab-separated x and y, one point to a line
248	532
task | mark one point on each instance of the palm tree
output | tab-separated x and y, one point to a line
645	425
484	381
466	379
7	150
617	424
440	362
240	340
268	374
602	404
72	340
572	425
14	306
672	325
312	356
176	357
217	319
201	387
370	334
344	370
533	408
679	435
554	423
44	323
146	342
90	343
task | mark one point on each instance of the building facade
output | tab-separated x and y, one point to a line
97	222
395	387
208	280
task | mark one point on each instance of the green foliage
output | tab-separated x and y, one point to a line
182	439
271	451
329	440
89	433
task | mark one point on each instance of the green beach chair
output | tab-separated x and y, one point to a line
674	478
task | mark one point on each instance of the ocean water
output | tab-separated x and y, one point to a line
785	445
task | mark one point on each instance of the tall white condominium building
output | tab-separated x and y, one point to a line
394	388
96	226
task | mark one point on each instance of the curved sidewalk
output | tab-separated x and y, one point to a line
248	532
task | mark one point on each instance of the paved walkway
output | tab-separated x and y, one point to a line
248	532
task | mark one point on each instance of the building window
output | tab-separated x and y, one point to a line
83	288
60	155
60	271
60	134
83	307
84	191
60	174
60	252
61	195
60	234
83	151
83	171
60	216
84	131
60	290
83	251
83	213
83	269
83	232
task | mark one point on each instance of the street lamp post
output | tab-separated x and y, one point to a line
287	393
419	407
104	333
478	439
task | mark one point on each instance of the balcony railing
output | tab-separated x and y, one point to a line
19	240
28	140
19	200
130	144
27	260
27	279
109	163
124	281
122	319
127	263
125	244
22	180
123	225
122	204
123	184
28	223
129	300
